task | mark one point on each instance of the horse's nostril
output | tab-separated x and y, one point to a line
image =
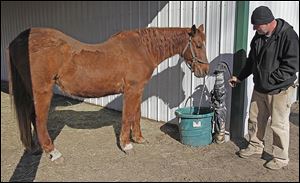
206	70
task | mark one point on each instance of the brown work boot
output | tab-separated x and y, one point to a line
276	164
250	150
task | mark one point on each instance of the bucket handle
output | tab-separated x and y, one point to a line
189	98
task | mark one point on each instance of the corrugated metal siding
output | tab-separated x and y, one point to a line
93	22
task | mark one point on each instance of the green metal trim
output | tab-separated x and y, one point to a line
237	121
241	28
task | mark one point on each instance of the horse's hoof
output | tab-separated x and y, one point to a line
127	147
129	153
54	155
59	160
141	141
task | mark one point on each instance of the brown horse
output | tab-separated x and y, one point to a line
43	57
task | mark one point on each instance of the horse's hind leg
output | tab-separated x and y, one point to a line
42	101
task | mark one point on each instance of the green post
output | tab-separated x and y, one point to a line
237	120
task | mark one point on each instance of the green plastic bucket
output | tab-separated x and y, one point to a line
195	126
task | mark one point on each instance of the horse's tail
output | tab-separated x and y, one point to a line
20	86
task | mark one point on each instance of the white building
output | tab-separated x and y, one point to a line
227	27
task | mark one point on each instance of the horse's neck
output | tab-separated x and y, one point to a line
163	43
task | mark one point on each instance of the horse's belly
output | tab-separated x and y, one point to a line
90	88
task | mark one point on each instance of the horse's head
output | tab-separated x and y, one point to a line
194	52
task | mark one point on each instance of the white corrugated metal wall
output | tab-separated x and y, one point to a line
287	10
93	22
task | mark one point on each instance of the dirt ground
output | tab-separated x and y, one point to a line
86	135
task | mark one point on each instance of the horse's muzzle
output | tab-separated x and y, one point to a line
199	75
201	72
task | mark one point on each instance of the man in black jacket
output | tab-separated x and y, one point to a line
274	61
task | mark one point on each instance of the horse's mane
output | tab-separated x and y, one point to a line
144	31
162	42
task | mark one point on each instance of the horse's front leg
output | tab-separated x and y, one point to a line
130	116
136	127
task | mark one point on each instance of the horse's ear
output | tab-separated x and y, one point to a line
193	31
201	28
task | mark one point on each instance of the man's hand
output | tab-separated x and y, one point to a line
233	81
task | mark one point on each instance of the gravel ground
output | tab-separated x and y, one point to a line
86	136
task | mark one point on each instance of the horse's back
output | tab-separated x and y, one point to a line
45	38
78	68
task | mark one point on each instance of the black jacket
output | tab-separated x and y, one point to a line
273	64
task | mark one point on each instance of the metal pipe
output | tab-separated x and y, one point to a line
218	95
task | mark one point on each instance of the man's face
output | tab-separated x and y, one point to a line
262	29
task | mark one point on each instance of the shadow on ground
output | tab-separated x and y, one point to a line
27	166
